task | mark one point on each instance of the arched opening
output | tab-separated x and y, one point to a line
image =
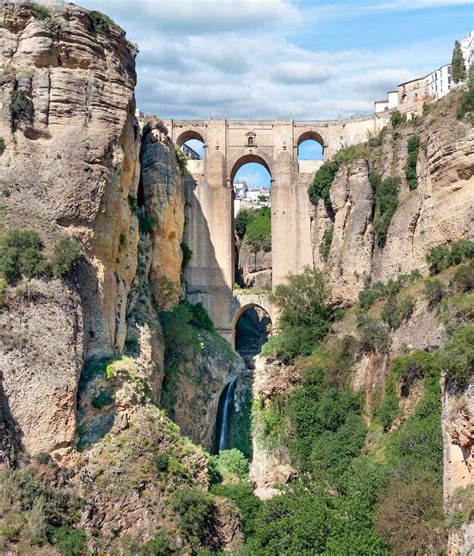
192	144
251	183
310	146
251	326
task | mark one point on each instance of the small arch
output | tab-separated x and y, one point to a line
310	135
263	317
246	159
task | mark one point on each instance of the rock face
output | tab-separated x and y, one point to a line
70	164
255	268
439	211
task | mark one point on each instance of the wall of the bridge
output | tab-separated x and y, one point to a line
209	204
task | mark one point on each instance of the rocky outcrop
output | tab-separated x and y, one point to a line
438	212
255	267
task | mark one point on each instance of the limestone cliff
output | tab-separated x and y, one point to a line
438	212
254	267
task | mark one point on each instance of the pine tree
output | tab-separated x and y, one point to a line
458	69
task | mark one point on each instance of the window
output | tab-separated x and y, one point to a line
250	141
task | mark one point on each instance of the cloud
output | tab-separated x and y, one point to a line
302	72
399	5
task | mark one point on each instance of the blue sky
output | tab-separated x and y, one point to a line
301	59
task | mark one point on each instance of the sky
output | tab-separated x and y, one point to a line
270	59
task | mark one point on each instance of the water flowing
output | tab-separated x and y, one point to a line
226	409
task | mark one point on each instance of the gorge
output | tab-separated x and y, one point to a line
336	397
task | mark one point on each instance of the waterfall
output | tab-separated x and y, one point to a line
224	422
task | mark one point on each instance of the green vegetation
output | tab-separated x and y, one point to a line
305	318
41	12
69	540
466	106
21	106
442	257
458	68
434	291
243	496
397	119
380	290
232	463
187	255
101	22
457	357
146	223
182	161
253	227
386	204
326	244
102	399
397	309
196	515
463	280
2	145
374	336
322	182
413	148
67	251
20	255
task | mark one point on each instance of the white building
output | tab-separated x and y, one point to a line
190	153
240	189
440	82
467	47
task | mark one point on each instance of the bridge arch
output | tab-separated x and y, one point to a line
246	159
310	135
243	309
187	136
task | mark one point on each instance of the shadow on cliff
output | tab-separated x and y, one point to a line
11	435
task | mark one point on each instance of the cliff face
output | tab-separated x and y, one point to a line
438	212
255	267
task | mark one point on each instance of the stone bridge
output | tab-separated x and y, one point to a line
228	145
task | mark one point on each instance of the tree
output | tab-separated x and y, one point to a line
458	68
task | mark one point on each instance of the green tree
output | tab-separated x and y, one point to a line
20	255
458	68
67	251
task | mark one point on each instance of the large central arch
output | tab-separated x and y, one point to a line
249	159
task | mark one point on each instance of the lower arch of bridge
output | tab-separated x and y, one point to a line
187	136
254	333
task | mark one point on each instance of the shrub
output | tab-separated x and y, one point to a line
396	310
241	221
2	145
21	107
373	336
466	107
132	203
20	255
69	540
326	244
3	290
457	357
200	317
195	513
101	22
442	257
245	499
146	223
41	12
156	546
232	462
182	161
102	399
259	229
434	291
386	204
410	517
397	118
458	68
187	255
463	280
427	107
322	182
67	251
410	171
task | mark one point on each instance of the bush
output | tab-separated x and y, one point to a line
457	357
200	317
232	462
466	107
326	244
20	255
463	280
410	171
102	399
41	12
196	514
101	22
67	251
241	221
69	540
434	291
182	161
442	257
306	315
410	517
2	145
146	223
187	255
322	182
386	204
397	118
373	335
259	230
245	499
156	546
397	309
21	107
427	107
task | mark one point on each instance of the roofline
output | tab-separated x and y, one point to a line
424	77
